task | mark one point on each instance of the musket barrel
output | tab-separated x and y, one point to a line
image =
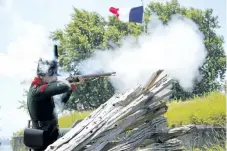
98	75
75	78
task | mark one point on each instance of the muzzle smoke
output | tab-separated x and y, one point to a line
177	48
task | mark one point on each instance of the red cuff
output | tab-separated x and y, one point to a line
43	87
73	87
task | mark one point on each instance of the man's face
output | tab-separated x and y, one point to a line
49	79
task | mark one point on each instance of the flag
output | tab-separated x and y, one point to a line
114	11
134	14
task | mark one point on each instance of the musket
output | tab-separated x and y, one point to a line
75	79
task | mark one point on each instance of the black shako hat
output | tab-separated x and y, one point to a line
48	67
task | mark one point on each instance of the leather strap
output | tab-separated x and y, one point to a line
44	124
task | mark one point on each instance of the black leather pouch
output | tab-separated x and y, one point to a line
34	138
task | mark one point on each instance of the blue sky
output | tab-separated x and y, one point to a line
24	29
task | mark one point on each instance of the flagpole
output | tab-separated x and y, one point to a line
144	29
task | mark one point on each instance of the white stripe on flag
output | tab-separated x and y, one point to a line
124	14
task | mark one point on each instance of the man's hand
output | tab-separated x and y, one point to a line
81	79
73	87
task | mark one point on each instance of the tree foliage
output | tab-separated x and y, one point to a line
215	64
23	103
89	31
77	41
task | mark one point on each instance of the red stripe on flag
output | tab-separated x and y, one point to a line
114	11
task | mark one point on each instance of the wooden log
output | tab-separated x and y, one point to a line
111	135
102	110
170	145
139	108
138	136
93	122
151	133
176	132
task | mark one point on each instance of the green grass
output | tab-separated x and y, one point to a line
208	110
67	120
213	148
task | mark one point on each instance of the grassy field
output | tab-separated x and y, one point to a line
67	120
210	110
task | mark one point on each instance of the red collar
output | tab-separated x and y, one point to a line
37	82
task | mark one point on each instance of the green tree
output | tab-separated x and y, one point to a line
79	39
87	32
215	64
23	103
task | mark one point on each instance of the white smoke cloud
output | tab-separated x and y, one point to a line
30	43
177	48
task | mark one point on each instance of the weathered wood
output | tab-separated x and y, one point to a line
97	119
101	142
151	133
152	80
77	122
139	135
203	135
138	110
176	132
170	145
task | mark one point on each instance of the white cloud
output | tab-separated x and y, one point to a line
30	42
18	62
5	5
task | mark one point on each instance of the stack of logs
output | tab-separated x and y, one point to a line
127	122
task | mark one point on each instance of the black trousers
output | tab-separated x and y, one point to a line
50	137
52	134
